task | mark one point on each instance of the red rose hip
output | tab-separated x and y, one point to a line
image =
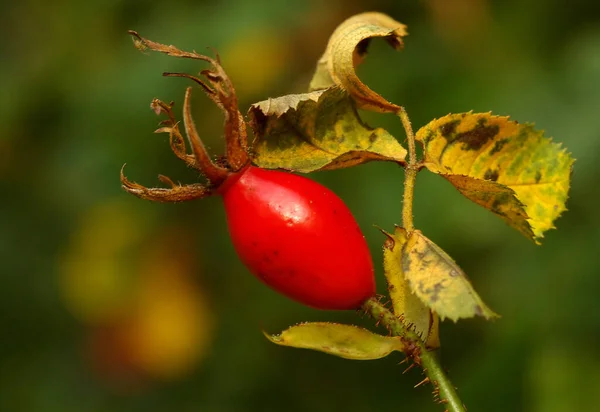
299	238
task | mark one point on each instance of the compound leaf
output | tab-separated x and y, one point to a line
506	167
317	131
346	49
438	281
345	341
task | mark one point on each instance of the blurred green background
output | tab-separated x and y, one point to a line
111	303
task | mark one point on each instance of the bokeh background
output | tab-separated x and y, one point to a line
111	303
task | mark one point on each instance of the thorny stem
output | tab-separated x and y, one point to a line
410	174
416	349
417	352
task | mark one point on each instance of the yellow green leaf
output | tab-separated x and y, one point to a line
317	131
346	49
438	281
404	302
345	341
506	167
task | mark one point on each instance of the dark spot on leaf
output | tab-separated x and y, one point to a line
491	175
347	128
449	128
434	292
498	146
538	176
475	138
372	137
428	137
420	254
406	262
500	201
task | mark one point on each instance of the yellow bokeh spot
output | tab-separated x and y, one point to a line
256	60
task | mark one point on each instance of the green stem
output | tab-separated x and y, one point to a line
410	137
410	175
428	360
433	368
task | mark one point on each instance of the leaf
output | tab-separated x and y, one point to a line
405	303
506	167
438	281
346	49
345	341
317	131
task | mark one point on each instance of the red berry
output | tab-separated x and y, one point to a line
299	238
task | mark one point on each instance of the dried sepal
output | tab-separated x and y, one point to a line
214	173
219	89
171	126
176	193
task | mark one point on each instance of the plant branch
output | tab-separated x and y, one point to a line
416	351
410	175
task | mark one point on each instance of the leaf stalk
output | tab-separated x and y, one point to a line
410	176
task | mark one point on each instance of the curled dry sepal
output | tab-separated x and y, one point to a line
509	168
218	87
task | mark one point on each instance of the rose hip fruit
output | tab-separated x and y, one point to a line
292	233
299	238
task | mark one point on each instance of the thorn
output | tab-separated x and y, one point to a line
412	365
422	382
403	361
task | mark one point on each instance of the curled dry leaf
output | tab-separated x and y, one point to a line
345	341
346	49
320	130
506	167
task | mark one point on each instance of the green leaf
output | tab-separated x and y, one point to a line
438	281
405	303
317	131
345	341
506	167
346	49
